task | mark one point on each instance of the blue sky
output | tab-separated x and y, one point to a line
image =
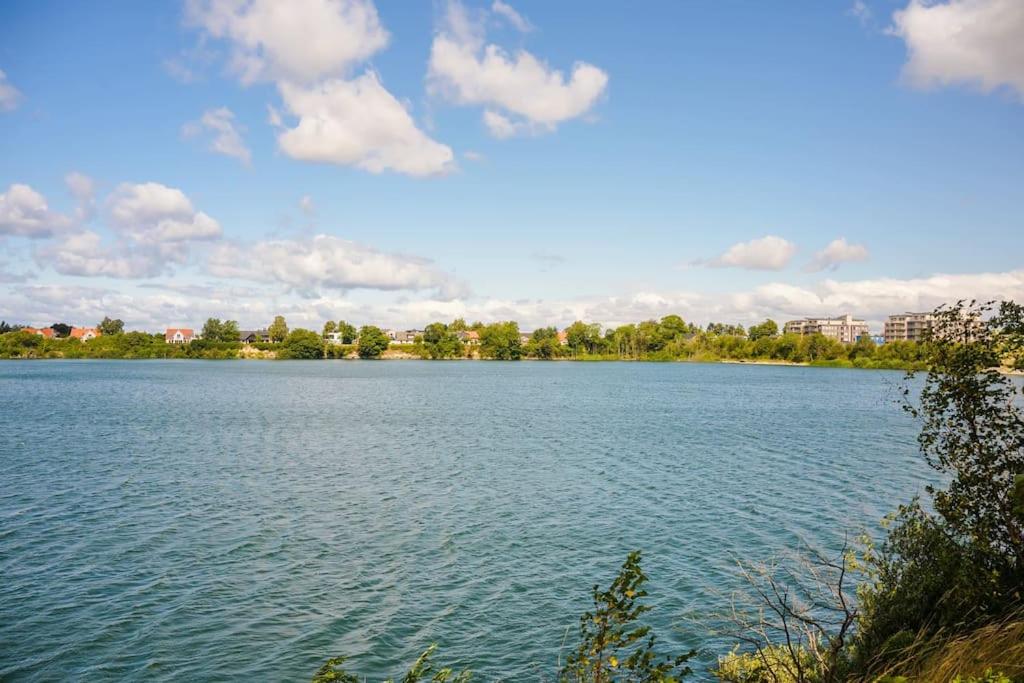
399	162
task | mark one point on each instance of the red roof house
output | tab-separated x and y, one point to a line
179	335
41	331
84	333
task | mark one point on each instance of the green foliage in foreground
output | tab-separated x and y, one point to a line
613	646
422	670
944	592
962	565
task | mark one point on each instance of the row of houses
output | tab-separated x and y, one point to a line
847	329
844	328
83	333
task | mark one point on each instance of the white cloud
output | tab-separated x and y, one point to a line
872	300
326	261
310	48
10	97
150	213
84	254
153	225
299	41
82	188
306	205
837	252
467	71
861	11
169	303
471	155
501	126
767	253
359	123
227	137
25	213
511	16
972	42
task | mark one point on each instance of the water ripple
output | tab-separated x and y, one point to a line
199	521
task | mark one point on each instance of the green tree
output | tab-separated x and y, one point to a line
347	332
769	328
441	341
613	645
863	348
216	331
583	337
818	346
672	326
330	327
963	564
458	325
110	327
501	341
302	344
372	342
229	332
211	330
60	330
278	329
543	343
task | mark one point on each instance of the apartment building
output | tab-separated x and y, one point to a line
908	326
844	328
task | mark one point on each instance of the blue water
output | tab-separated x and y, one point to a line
224	521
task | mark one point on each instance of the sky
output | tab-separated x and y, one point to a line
399	162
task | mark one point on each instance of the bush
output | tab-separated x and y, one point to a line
372	342
302	345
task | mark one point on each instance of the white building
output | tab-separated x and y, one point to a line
908	326
845	328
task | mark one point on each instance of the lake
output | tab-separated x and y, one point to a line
223	521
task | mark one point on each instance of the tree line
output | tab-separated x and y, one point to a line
669	339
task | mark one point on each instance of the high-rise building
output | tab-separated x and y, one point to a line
844	328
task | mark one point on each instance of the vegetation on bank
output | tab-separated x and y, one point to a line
939	598
670	339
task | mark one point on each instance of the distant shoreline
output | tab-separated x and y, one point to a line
402	356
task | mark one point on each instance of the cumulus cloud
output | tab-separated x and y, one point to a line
767	253
153	226
501	126
10	97
84	254
326	261
509	14
25	213
309	49
466	70
970	42
170	303
837	252
358	123
83	189
226	137
152	213
299	41
871	299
